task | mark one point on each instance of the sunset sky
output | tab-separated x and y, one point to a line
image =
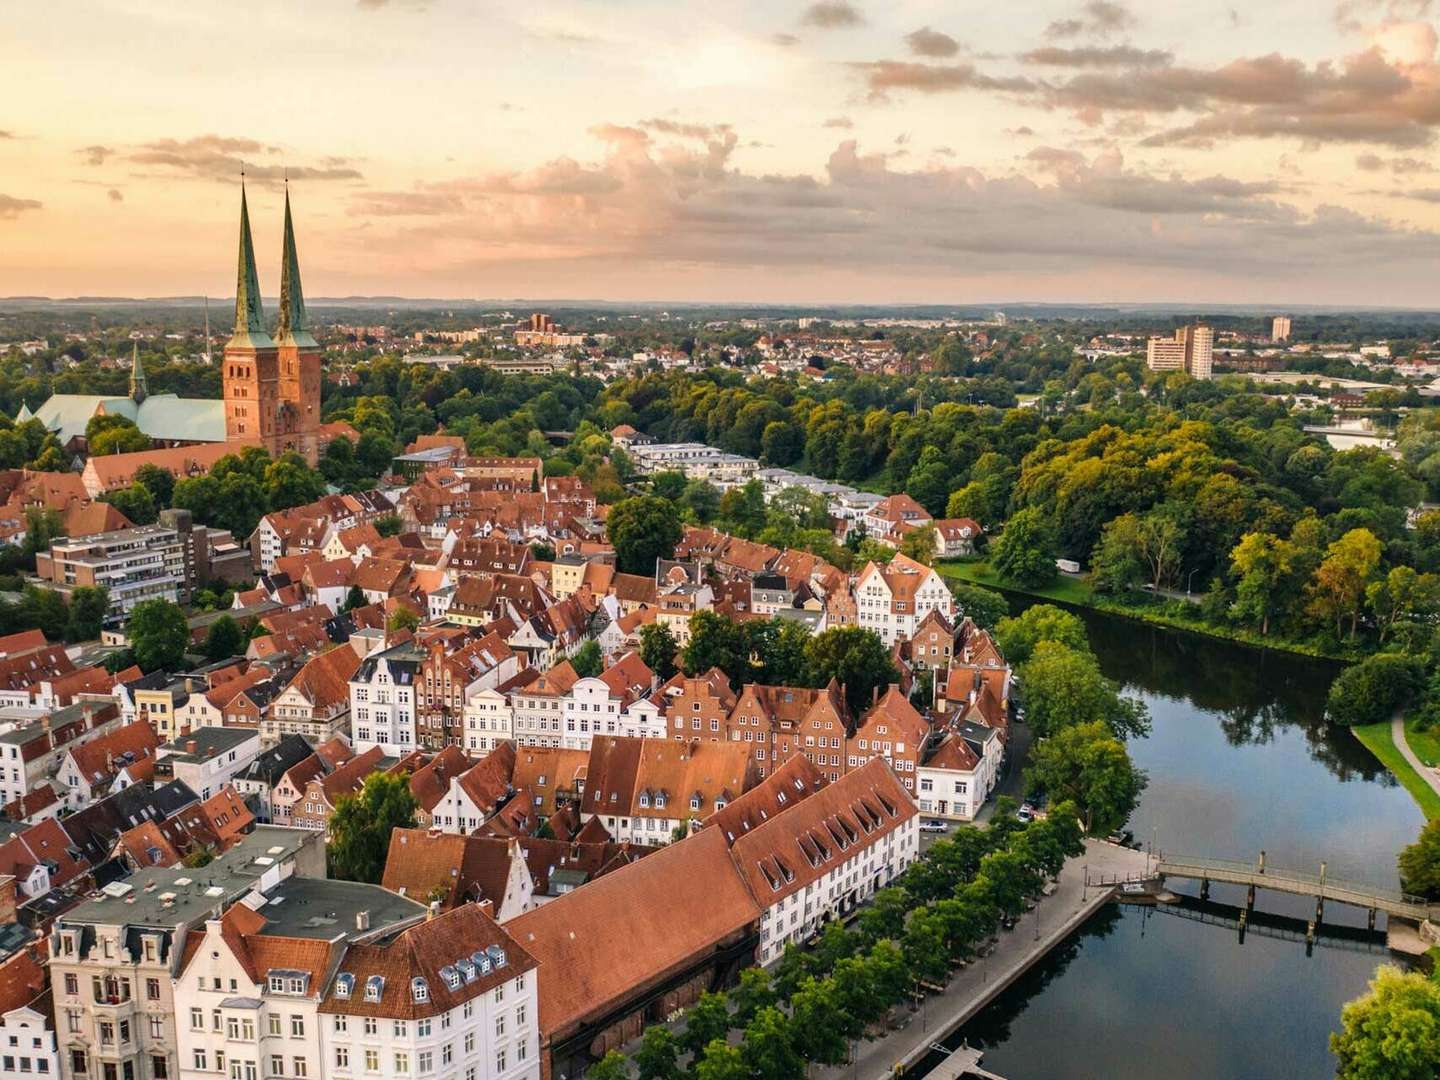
1275	151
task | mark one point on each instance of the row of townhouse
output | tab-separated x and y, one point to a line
314	526
227	973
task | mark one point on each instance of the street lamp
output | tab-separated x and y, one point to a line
1188	580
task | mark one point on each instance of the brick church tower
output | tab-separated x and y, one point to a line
272	385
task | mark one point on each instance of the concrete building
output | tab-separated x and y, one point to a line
893	599
383	695
207	758
147	562
1280	328
1190	350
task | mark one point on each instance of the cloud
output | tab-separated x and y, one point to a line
882	76
784	40
114	195
1098	57
218	157
6	134
95	155
1401	166
927	42
839	122
1429	195
1352	16
832	15
688	131
12	207
1098	18
670	213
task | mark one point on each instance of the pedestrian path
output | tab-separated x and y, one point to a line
1397	735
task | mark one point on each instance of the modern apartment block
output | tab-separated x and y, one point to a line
147	562
1280	328
1190	350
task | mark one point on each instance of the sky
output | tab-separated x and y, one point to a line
837	151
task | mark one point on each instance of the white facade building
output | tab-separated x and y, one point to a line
892	599
382	700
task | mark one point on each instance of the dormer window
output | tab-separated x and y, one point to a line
660	801
644	801
419	991
374	987
452	977
344	985
694	802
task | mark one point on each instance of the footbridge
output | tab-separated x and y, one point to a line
1323	887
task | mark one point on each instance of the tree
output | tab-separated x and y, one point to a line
818	1023
158	635
1064	687
135	502
1087	764
1374	689
721	1061
768	1049
1018	636
587	661
1420	863
742	509
403	618
159	482
658	1057
1338	587
1264	567
658	648
700	501
920	544
1025	552
120	439
362	823
612	1066
289	481
224	639
1403	594
1393	1032
354	597
668	484
854	657
89	604
42	527
1116	564
782	443
751	994
986	606
717	642
705	1021
643	529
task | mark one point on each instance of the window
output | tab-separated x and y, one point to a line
469	1042
342	1023
401	1029
447	1053
519	1015
197	1019
277	1065
157	1027
299	1066
372	1060
425	1060
422	1027
72	984
500	1060
152	989
78	1063
500	1025
201	1064
402	1063
372	1026
342	1057
297	1027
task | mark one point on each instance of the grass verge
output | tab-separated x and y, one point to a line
1377	740
1077	592
1426	744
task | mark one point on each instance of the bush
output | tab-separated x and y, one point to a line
1373	689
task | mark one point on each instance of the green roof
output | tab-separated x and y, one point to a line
161	416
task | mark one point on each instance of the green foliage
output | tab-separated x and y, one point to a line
705	1021
159	482
1086	763
120	438
751	994
1420	863
354	597
768	1048
1064	687
1393	1032
721	1061
89	604
643	529
135	502
224	639
1374	689
658	1057
361	825
612	1066
403	618
1025	552
855	658
658	649
587	661
1017	636
158	635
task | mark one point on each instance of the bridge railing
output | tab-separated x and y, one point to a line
1183	864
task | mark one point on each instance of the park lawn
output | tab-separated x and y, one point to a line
1067	590
1377	740
1426	744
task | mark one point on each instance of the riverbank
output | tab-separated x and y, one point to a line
1379	739
973	987
1077	592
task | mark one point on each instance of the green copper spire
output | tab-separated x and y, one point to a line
293	328
249	316
138	391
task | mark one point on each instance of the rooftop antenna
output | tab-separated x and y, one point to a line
208	358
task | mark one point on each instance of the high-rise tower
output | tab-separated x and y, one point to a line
138	390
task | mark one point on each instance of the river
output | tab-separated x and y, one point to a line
1239	759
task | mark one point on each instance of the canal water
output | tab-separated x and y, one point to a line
1240	759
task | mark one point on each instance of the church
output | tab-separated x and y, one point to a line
272	384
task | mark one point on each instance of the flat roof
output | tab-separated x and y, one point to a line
320	908
169	895
209	741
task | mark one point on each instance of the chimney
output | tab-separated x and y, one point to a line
487	906
191	746
362	920
433	911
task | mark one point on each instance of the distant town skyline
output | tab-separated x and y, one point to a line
839	151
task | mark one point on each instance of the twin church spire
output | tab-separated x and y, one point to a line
293	326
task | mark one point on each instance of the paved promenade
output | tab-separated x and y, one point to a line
1397	733
973	987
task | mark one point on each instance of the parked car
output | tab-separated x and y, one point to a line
932	826
1025	813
